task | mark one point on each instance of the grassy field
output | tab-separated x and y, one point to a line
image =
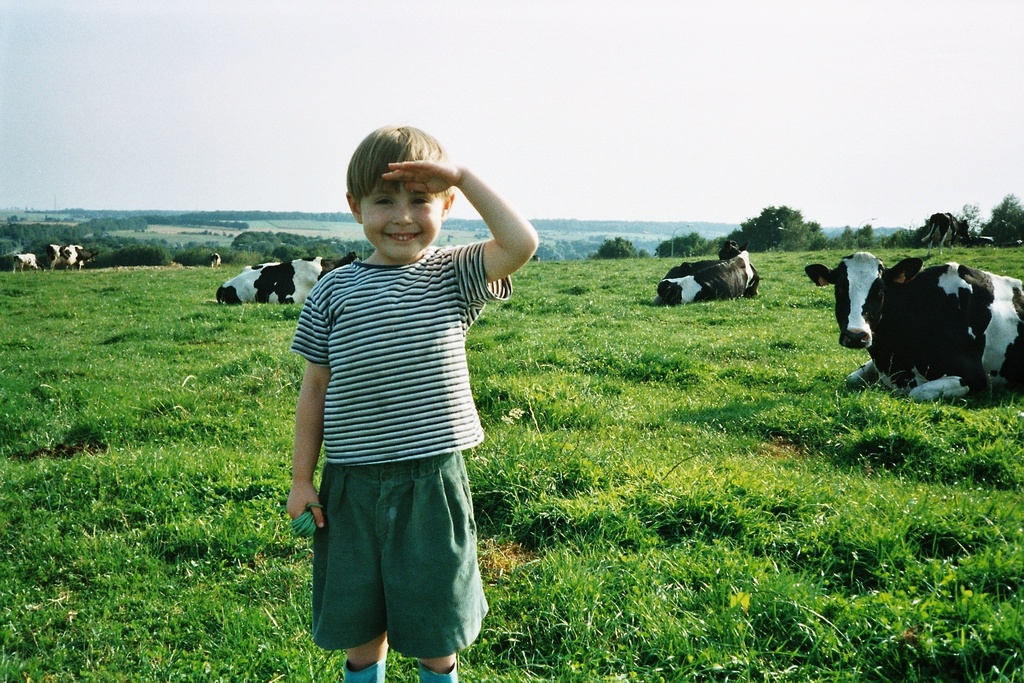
665	494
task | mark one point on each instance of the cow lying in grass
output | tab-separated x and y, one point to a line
939	332
282	283
729	277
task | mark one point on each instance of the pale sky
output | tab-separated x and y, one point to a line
673	110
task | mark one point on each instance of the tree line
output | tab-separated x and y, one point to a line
779	228
783	228
247	248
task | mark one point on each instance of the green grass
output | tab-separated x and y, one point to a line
670	494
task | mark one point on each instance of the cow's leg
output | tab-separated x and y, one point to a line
944	387
863	377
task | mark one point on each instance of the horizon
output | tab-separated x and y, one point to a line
457	220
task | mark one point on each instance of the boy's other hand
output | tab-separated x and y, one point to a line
299	498
432	177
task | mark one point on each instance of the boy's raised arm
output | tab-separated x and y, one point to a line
513	239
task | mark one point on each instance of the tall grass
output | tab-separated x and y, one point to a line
666	494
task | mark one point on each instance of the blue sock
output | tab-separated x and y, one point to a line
428	676
371	674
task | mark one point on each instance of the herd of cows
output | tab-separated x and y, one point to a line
69	256
938	332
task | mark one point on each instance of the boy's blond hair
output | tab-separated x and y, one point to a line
384	146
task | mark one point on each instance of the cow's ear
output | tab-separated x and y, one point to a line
904	271
820	275
744	247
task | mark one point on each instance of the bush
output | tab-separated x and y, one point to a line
195	256
619	247
141	255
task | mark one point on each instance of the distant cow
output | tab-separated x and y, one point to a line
76	256
939	332
23	261
723	279
68	256
945	229
980	241
282	283
215	260
728	250
53	258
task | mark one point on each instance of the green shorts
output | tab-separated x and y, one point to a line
398	554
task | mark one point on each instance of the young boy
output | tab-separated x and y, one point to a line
386	393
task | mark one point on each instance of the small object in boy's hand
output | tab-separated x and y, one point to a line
304	524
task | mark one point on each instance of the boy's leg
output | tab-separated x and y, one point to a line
439	670
365	663
371	674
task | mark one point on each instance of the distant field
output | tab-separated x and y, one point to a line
221	236
665	494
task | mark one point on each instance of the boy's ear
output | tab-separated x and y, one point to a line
353	206
448	201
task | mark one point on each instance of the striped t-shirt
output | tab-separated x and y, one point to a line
394	338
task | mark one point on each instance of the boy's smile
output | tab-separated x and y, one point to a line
398	223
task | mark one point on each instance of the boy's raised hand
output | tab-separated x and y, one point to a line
424	176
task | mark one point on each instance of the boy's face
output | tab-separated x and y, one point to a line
398	223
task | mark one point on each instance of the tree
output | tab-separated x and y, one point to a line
865	236
619	247
1007	222
779	228
972	214
900	239
685	246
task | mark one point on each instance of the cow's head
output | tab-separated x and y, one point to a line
327	265
860	281
963	232
730	249
670	293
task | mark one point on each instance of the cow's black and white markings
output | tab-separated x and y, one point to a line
76	256
939	332
945	229
23	261
727	278
53	258
68	256
282	283
728	250
215	260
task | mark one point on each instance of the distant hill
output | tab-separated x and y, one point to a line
571	228
642	233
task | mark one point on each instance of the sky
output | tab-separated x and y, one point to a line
879	112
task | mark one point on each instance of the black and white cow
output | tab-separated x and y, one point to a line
68	256
980	241
727	278
728	250
215	260
53	258
282	283
945	229
23	261
75	255
939	332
